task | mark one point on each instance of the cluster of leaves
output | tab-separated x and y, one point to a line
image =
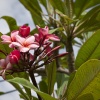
76	23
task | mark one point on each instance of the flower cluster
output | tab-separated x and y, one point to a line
21	59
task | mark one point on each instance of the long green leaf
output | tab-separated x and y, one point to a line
60	5
26	76
86	80
34	8
87	96
27	84
62	81
44	3
4	47
17	86
82	5
11	22
89	50
51	76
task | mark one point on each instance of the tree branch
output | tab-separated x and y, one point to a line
34	81
70	58
41	71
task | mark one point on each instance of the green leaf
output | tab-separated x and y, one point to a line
89	50
58	5
53	30
11	22
62	81
82	5
86	80
34	8
51	68
44	3
43	86
1	93
87	96
63	15
4	47
17	87
26	76
27	84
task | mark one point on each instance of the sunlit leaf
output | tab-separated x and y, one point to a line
11	22
27	84
83	5
51	68
62	81
34	8
89	50
87	96
86	80
17	86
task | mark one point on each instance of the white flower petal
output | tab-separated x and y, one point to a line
20	39
30	40
24	49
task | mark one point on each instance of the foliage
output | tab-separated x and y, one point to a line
76	23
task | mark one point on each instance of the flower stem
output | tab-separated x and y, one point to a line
34	81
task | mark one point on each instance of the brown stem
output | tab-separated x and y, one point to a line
70	55
34	81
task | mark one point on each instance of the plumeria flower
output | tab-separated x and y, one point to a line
24	31
14	56
44	35
25	44
9	39
4	66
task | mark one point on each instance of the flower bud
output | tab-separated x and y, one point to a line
24	31
14	56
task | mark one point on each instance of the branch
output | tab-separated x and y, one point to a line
41	71
34	81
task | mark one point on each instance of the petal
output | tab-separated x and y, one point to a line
53	37
16	44
44	30
24	49
6	39
3	75
36	37
7	59
20	39
24	31
9	66
33	46
2	63
16	53
13	35
30	40
11	45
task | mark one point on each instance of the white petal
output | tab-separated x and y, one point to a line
24	49
20	39
33	46
16	44
30	40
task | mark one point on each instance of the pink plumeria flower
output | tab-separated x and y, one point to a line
44	33
14	56
9	39
4	66
24	31
25	44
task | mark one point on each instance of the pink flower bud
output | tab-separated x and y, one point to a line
14	56
24	31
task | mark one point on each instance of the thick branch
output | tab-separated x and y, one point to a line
34	81
70	58
41	71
